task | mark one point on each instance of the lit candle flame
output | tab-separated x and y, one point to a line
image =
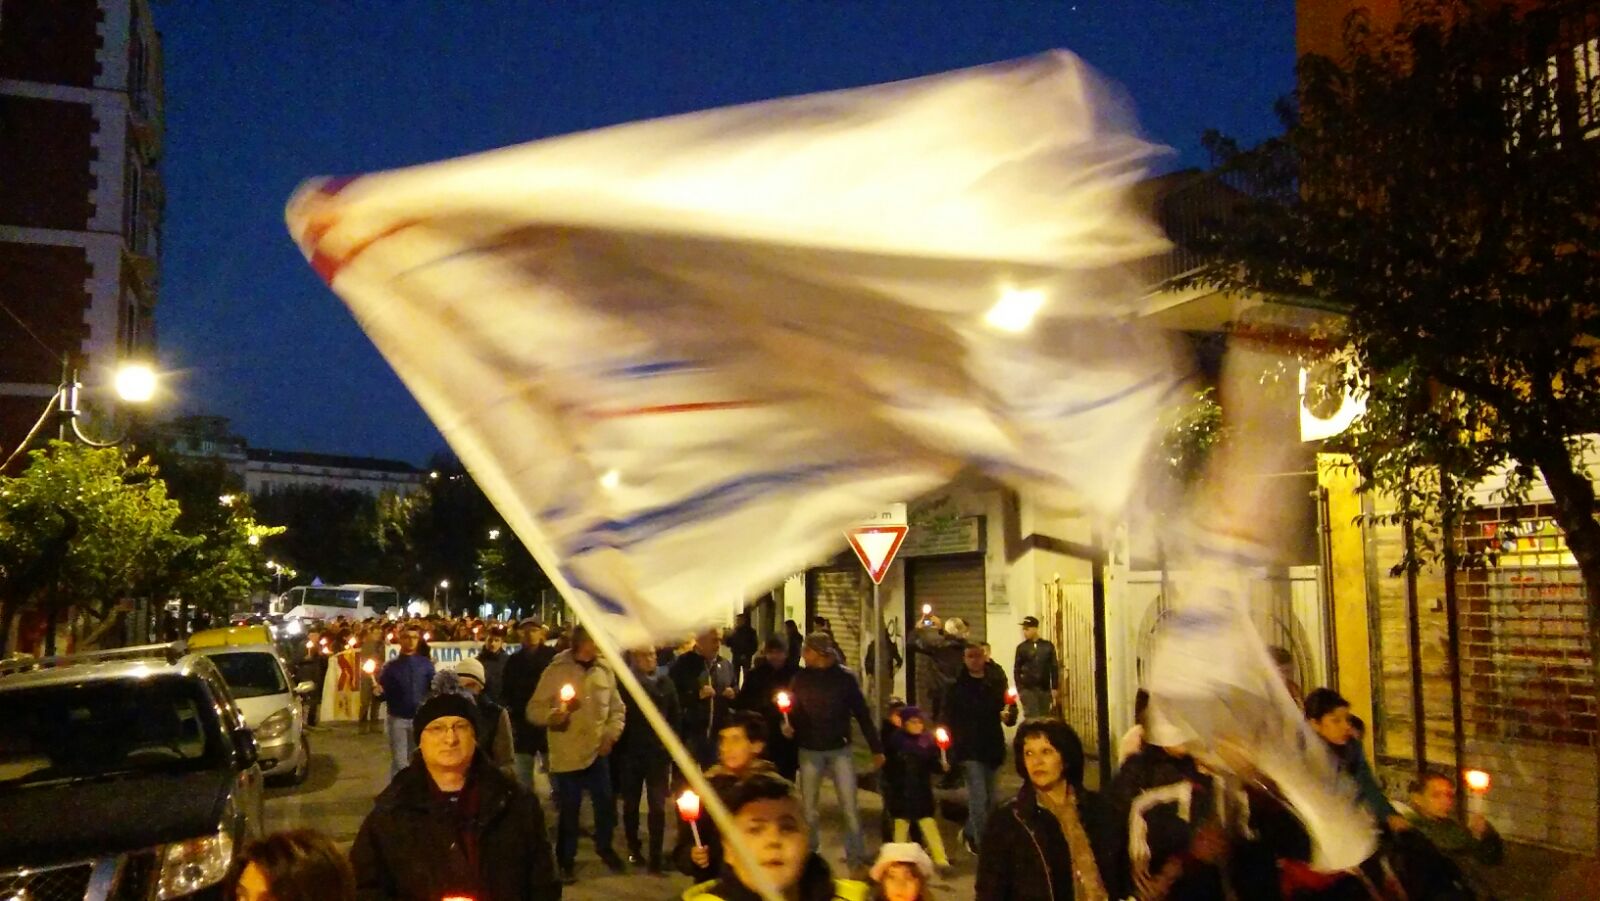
370	667
1011	696
568	693
941	737
1477	780
784	702
927	609
689	806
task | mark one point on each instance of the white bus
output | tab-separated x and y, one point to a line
349	601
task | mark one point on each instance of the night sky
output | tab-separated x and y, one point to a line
260	96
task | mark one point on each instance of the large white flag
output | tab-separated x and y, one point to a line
681	355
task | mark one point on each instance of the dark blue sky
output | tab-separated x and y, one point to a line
263	95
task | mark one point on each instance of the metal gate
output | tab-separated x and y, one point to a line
1527	680
1066	618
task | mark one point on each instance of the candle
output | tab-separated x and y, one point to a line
567	694
689	812
427	636
941	737
1011	696
1477	791
784	704
370	667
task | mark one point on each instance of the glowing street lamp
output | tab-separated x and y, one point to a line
135	382
445	584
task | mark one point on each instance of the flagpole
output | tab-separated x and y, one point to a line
522	524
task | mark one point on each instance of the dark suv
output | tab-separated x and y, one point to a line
123	775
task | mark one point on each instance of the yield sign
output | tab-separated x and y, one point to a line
875	547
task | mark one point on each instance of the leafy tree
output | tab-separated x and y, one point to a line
1434	185
87	530
329	533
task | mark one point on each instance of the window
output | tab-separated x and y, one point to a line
1586	85
107	729
251	674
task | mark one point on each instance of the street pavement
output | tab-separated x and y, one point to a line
349	769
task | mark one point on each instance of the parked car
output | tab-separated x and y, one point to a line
123	774
258	677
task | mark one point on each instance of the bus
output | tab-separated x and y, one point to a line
349	601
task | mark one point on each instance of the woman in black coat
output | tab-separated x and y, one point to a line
1052	841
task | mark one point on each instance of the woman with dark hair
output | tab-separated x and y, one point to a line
302	865
1050	842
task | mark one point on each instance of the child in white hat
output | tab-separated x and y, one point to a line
901	872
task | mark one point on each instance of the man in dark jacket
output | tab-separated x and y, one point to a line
742	643
939	664
494	657
451	825
518	680
1037	670
826	698
975	712
403	683
771	674
706	688
642	760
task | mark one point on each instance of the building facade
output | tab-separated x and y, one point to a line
262	471
81	115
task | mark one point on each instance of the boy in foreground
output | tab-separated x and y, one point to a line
740	745
768	818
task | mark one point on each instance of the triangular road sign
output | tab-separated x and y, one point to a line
875	547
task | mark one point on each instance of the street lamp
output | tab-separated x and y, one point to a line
134	383
445	584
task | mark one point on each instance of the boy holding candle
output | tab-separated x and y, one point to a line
739	747
768	815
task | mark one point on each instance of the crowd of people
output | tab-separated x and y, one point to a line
770	722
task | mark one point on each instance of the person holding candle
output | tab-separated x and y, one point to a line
403	683
909	797
976	712
577	701
826	699
707	685
1471	847
740	744
770	676
766	812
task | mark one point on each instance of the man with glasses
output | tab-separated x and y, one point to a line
403	684
451	824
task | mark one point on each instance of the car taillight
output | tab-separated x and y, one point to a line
188	866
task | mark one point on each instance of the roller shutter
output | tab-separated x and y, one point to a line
953	585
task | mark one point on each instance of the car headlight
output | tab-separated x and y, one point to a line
190	866
293	627
273	727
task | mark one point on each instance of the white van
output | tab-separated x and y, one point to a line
349	601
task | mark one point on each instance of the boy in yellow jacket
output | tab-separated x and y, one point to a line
767	816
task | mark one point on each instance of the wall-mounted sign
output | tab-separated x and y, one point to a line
961	535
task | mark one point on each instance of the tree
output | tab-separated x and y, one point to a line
1435	187
86	530
329	533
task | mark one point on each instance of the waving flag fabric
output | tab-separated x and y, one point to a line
681	355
